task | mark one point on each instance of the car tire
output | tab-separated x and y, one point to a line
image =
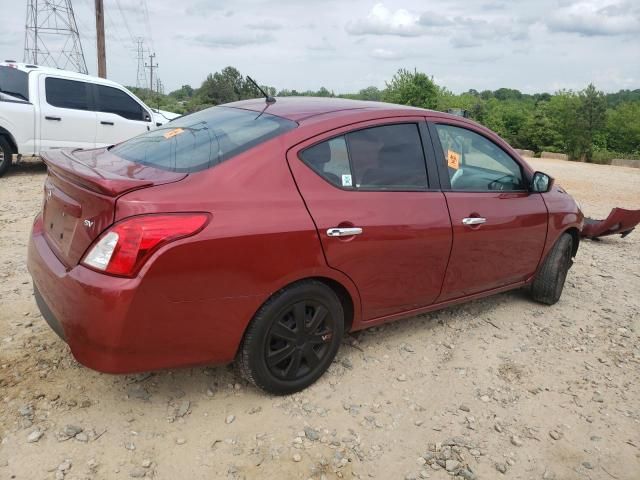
293	338
6	155
549	281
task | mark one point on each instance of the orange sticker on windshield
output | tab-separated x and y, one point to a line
173	133
453	159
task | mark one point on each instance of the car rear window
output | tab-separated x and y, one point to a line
203	139
14	82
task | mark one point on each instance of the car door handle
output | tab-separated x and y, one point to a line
57	119
344	232
474	221
106	123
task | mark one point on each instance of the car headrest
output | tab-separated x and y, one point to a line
318	155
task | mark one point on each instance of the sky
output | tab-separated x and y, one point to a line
530	45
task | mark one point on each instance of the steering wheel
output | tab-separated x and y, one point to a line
501	183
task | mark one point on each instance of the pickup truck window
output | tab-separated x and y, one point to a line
112	100
14	82
67	93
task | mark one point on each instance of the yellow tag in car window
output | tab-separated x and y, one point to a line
453	159
173	133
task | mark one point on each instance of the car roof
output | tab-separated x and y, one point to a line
28	68
302	108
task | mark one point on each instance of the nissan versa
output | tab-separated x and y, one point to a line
262	232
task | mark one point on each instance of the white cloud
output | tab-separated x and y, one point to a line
597	18
383	21
347	45
386	54
268	25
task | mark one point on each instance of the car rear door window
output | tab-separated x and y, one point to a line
112	100
475	163
388	157
330	160
64	93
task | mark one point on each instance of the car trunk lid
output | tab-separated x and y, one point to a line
80	195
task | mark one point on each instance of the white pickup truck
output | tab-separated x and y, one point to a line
44	108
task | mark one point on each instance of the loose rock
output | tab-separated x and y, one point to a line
35	436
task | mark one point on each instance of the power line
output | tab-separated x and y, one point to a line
145	9
126	23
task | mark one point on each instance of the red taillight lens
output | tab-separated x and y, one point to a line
124	248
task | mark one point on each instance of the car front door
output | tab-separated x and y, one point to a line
66	116
379	219
119	115
499	227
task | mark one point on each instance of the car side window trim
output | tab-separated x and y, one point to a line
425	146
441	163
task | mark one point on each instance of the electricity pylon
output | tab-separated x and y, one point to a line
141	80
51	36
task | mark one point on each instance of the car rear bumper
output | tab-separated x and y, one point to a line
122	325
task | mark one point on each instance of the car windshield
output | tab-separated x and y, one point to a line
14	82
203	139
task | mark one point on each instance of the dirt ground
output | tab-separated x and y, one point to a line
505	386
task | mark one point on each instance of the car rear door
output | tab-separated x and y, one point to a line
119	115
499	227
380	218
67	119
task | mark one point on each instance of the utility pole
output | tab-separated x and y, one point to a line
151	66
102	58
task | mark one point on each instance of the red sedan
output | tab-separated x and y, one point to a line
262	233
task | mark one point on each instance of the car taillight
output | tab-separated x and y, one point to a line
124	247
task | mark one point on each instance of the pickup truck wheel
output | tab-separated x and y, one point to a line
293	338
549	281
6	155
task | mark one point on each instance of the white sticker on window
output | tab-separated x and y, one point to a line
346	181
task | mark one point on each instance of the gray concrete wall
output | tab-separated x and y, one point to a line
557	156
623	162
525	153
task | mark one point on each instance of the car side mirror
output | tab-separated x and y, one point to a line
541	182
147	117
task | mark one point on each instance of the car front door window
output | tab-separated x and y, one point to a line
475	163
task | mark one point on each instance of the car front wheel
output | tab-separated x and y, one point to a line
549	281
293	338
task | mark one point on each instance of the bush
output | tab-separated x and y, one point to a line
605	156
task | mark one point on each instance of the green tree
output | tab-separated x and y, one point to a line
592	120
623	128
407	88
539	132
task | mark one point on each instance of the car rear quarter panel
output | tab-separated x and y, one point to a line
203	291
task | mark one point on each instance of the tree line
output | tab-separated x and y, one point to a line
587	125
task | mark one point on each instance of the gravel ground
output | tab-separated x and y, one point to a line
500	387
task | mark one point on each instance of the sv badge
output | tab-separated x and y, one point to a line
89	223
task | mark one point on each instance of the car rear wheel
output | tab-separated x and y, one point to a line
293	338
6	153
549	281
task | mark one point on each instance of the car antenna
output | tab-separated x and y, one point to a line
267	98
